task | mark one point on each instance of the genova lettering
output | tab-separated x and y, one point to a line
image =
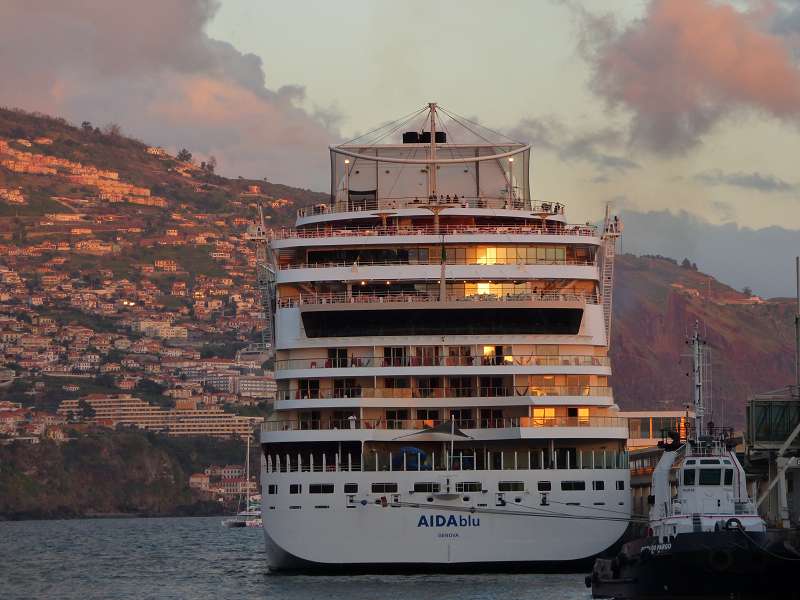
448	521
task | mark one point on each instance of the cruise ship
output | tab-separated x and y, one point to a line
441	355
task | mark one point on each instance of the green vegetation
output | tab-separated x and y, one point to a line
104	472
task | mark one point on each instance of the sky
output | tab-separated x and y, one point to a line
688	106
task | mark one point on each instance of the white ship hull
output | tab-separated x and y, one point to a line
330	533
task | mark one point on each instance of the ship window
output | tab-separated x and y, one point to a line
295	488
710	476
690	462
598	485
620	485
709	461
384	488
688	477
468	486
573	486
544	486
272	489
320	488
425	486
350	488
728	476
511	486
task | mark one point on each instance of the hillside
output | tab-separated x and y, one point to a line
656	303
183	185
108	473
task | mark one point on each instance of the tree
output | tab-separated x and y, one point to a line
686	263
184	155
87	412
747	291
211	164
86	126
112	129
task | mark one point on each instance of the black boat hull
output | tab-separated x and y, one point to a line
731	564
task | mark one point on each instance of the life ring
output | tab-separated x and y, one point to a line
720	560
733	523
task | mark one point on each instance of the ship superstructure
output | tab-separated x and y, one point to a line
441	354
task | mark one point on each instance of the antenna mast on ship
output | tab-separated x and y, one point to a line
698	367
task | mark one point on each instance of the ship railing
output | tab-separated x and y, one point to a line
524	360
412	297
423	424
435	262
345	204
445	392
406	230
538	459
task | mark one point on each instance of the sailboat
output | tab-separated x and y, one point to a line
250	515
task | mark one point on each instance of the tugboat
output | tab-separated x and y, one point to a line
705	538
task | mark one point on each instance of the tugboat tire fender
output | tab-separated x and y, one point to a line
733	523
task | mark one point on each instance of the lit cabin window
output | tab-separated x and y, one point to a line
710	476
728	476
688	477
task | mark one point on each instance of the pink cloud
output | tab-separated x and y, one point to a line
686	64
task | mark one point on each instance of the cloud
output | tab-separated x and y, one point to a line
686	64
150	66
750	181
597	147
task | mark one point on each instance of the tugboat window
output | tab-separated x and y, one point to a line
426	487
688	477
728	476
384	488
710	476
573	486
544	486
511	486
350	488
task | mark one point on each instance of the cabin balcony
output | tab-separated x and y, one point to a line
336	234
346	396
414	430
345	204
406	360
405	298
412	459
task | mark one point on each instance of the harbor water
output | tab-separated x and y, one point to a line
197	558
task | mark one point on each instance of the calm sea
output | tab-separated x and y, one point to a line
198	559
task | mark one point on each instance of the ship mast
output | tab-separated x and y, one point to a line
432	165
697	375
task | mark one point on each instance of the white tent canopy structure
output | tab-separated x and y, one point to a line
430	155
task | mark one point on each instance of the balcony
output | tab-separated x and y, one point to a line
429	230
544	209
424	297
525	360
471	460
445	392
421	424
435	263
